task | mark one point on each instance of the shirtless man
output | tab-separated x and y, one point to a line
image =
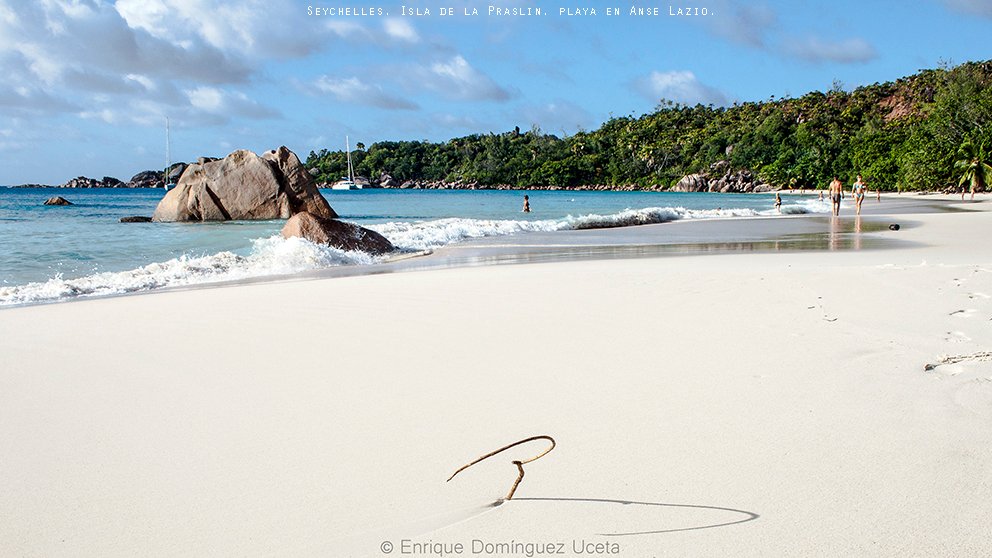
836	194
858	190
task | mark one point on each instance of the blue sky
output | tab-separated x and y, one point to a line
87	84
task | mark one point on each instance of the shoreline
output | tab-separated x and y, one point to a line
686	394
761	233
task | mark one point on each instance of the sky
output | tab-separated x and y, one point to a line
86	86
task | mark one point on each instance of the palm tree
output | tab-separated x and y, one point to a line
974	162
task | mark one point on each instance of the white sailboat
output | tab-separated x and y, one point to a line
347	183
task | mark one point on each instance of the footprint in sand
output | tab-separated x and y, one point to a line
956	336
978	295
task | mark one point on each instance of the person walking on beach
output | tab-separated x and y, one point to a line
526	204
858	193
836	194
778	202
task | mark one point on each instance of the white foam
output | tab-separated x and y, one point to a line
268	257
277	256
426	235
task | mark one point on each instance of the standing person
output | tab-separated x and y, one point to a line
858	193
778	202
526	204
836	194
878	194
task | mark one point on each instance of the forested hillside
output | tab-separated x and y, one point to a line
906	134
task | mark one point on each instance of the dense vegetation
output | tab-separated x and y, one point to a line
907	135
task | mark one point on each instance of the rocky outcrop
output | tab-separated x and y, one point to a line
743	181
387	181
244	186
146	179
136	219
692	183
84	182
57	200
339	234
153	178
721	179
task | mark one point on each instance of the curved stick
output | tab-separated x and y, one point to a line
519	464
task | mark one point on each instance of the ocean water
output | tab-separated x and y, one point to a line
49	253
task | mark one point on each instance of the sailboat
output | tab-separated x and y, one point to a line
348	183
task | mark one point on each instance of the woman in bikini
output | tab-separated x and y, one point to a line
858	192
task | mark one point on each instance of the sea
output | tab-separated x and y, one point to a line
58	253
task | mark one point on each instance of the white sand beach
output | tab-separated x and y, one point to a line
733	404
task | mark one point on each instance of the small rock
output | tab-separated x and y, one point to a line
894	227
136	219
57	200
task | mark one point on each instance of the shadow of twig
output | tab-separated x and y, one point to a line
750	516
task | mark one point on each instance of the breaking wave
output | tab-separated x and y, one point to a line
268	257
276	256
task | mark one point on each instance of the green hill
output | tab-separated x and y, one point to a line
904	134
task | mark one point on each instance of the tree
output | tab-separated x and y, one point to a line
974	164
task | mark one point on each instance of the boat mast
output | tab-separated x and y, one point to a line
168	155
347	149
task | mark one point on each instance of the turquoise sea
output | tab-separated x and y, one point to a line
51	253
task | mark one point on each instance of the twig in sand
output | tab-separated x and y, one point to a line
982	355
519	464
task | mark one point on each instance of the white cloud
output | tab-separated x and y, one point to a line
227	103
143	80
456	79
83	56
400	29
354	90
268	28
209	99
347	29
106	115
679	86
51	38
748	24
23	99
845	51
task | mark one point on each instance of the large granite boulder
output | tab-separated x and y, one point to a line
339	234
243	186
692	183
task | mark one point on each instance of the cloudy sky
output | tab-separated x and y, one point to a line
86	85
